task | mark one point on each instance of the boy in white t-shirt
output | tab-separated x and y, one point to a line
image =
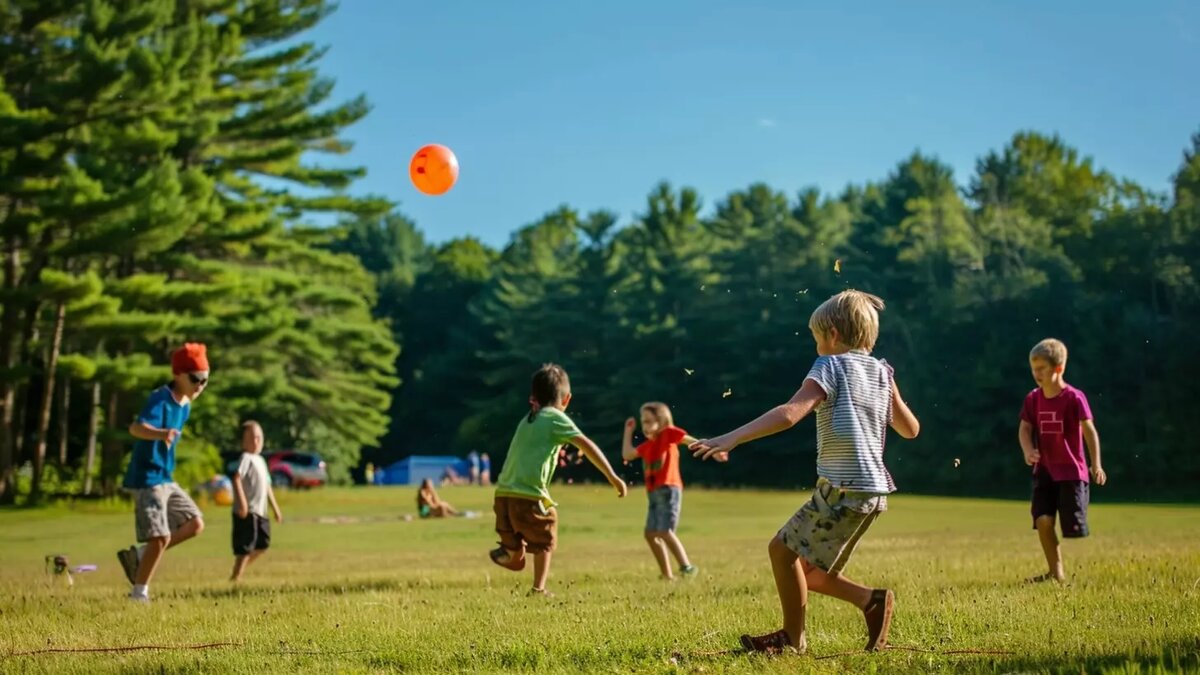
251	494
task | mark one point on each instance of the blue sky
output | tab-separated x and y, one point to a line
592	103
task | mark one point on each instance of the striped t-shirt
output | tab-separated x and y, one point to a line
852	422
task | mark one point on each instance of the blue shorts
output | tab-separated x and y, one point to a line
665	503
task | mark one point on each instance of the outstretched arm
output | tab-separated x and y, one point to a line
777	419
597	458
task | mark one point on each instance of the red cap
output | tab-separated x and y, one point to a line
190	358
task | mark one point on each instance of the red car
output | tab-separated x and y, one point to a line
296	469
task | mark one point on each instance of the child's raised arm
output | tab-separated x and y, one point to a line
903	420
628	452
777	419
597	458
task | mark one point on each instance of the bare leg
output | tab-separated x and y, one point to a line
659	550
676	548
836	586
1049	539
541	570
242	562
155	547
191	528
793	590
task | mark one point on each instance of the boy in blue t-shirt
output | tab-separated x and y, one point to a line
165	515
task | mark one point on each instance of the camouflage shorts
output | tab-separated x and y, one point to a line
827	528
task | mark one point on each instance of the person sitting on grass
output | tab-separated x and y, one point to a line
430	505
526	519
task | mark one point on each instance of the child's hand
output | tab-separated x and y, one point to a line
622	488
1098	475
243	510
169	436
630	425
278	517
717	448
1032	458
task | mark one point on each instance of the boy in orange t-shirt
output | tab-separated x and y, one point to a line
664	486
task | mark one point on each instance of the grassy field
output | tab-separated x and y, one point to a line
370	592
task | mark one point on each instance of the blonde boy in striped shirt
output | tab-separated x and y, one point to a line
856	398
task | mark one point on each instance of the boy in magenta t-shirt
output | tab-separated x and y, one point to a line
1055	424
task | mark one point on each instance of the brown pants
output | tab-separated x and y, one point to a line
523	525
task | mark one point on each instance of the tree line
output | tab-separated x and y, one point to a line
707	310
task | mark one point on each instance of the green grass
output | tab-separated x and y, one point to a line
384	595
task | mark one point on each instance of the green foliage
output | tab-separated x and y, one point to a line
709	313
138	142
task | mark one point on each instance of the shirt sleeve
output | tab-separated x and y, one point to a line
1028	414
673	435
245	466
564	429
154	412
1081	406
644	449
824	373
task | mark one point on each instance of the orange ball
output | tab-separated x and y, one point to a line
434	169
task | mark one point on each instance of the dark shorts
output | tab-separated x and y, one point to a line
250	534
525	524
1067	499
665	503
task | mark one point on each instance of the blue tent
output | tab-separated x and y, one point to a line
413	470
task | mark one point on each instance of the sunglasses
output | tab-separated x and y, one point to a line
197	380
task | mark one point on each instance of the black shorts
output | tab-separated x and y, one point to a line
250	534
1068	499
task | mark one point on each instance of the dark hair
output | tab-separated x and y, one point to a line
550	384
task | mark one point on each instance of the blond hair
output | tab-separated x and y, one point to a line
1050	350
661	413
853	314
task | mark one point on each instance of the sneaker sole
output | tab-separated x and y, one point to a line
130	572
889	604
514	565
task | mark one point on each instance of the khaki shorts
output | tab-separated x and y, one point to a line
826	530
526	524
162	509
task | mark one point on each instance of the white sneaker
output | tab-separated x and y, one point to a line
134	597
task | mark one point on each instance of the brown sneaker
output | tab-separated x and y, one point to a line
771	643
879	618
503	558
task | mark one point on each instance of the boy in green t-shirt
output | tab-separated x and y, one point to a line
525	516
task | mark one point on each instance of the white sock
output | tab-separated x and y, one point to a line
141	591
